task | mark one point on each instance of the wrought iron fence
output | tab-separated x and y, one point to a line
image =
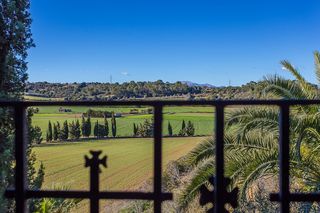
219	197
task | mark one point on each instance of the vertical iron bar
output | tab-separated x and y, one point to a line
94	188
20	121
284	158
219	176
157	183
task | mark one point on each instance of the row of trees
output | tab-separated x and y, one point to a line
74	130
186	130
145	129
102	130
67	130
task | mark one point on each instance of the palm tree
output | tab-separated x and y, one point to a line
252	135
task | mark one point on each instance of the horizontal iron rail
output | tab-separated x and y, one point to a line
159	103
87	194
297	197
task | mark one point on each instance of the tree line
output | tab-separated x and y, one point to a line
132	89
74	130
145	129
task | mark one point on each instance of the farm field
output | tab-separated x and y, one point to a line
201	117
130	161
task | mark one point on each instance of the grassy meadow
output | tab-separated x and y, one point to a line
130	162
201	117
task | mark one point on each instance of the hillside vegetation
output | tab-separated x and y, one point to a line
138	90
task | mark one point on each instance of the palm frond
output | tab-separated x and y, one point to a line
317	64
283	88
250	119
200	176
204	150
305	86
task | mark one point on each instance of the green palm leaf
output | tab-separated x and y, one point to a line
317	64
305	86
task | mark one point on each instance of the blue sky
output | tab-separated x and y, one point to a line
145	40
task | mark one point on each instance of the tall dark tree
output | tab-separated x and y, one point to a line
169	129
47	137
64	133
58	130
183	126
190	130
49	131
96	129
15	40
72	131
55	134
77	129
135	129
88	129
83	126
113	125
182	131
106	126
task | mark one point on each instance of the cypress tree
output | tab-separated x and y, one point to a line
55	132
190	129
183	126
49	131
58	130
182	131
96	129
65	131
106	126
88	129
47	137
135	129
169	129
113	125
77	129
72	130
84	127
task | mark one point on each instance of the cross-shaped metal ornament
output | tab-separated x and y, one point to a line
207	196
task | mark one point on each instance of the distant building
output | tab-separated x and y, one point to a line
61	109
117	115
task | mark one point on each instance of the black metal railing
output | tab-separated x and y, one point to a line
219	196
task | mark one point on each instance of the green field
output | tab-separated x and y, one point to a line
130	161
201	117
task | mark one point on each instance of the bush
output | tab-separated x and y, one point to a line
36	135
145	129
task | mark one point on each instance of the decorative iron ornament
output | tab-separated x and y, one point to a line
94	164
207	196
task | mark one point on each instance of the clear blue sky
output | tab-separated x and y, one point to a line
201	41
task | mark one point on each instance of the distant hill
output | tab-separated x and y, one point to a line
140	90
190	83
